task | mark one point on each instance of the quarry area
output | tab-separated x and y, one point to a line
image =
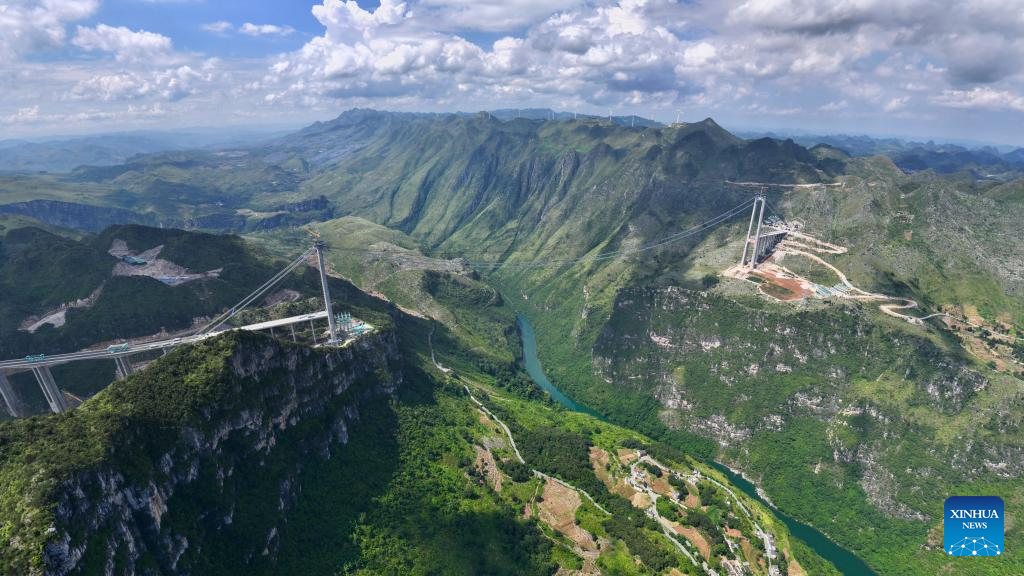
130	263
148	263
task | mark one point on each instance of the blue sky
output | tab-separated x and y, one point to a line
182	21
891	67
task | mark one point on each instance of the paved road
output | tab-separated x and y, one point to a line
890	308
773	185
23	363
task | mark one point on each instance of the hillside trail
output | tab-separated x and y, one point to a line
508	432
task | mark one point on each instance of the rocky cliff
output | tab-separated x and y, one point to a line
191	464
76	216
825	406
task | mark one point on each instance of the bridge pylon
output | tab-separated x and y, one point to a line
754	235
319	246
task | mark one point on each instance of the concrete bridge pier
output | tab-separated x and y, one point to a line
11	401
124	367
54	397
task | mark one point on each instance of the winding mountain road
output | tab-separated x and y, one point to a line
895	302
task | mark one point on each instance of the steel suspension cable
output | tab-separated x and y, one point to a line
234	310
627	251
231	312
599	257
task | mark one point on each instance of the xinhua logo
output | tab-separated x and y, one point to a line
973	526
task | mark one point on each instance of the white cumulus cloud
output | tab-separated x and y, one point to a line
898	103
21	116
111	87
124	43
821	64
981	97
251	29
981	41
620	52
219	27
169	84
834	106
491	15
29	26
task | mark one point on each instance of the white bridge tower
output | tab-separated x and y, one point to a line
758	246
319	246
756	212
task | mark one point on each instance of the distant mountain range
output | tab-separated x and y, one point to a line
64	154
549	114
981	161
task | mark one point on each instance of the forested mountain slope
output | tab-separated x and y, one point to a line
575	224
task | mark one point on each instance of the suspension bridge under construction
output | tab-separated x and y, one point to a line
763	238
338	330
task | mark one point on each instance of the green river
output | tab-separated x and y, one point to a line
843	559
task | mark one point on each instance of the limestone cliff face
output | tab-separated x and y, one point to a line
76	216
739	372
162	493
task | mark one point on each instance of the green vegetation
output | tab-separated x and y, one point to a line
575	437
394	500
668	510
803	346
515	470
38	454
811	270
648	546
39	269
430	521
849	419
617	561
558	452
652	469
401	496
10	222
565	454
194	250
